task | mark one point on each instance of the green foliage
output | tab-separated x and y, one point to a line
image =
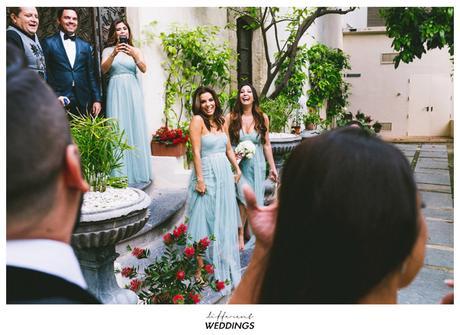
294	88
295	22
415	30
177	275
311	117
278	110
101	144
326	79
195	57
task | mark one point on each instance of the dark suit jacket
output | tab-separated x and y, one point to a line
25	286
62	77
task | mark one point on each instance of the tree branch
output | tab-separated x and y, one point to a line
276	29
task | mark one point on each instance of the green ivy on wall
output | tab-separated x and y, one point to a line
195	57
326	79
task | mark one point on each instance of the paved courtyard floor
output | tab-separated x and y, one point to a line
431	167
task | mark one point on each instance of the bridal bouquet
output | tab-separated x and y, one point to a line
245	149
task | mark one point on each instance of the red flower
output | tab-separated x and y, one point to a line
209	268
177	232
128	272
139	253
195	297
220	285
189	252
135	284
180	275
204	243
167	238
182	228
178	299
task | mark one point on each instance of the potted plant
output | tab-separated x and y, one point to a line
311	119
178	276
377	127
169	142
111	211
101	144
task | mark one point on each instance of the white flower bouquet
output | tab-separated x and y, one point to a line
245	149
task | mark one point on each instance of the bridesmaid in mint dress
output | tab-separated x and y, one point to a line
247	122
125	101
211	206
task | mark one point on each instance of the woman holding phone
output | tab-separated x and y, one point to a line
121	60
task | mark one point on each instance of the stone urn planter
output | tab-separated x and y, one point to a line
282	143
107	218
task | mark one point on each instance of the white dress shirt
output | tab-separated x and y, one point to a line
49	256
70	49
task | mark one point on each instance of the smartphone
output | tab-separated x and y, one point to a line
123	39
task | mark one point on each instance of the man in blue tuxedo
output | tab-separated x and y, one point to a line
44	193
70	66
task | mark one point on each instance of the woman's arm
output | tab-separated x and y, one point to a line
196	126
138	59
108	57
263	222
231	154
273	174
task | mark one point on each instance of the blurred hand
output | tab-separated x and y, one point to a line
200	187
237	176
449	297
96	108
261	219
273	175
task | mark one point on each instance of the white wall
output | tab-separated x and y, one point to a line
382	90
153	81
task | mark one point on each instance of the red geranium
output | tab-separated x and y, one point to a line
139	253
128	272
180	275
196	298
189	252
178	299
204	243
220	285
170	136
167	239
135	284
209	268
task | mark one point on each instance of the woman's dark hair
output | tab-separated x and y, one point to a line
235	117
196	107
347	218
113	38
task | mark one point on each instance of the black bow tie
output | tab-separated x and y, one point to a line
66	37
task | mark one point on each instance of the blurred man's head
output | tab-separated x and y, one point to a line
43	171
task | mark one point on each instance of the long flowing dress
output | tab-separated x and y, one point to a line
216	212
126	104
253	169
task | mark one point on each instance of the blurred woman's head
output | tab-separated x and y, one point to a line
205	103
247	98
349	220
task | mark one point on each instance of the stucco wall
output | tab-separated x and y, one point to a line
382	90
153	80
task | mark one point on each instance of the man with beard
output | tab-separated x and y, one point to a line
70	66
22	32
44	192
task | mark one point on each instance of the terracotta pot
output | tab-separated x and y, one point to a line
310	126
161	149
296	130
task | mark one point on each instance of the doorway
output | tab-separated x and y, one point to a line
429	105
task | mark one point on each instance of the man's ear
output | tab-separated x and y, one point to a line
72	172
